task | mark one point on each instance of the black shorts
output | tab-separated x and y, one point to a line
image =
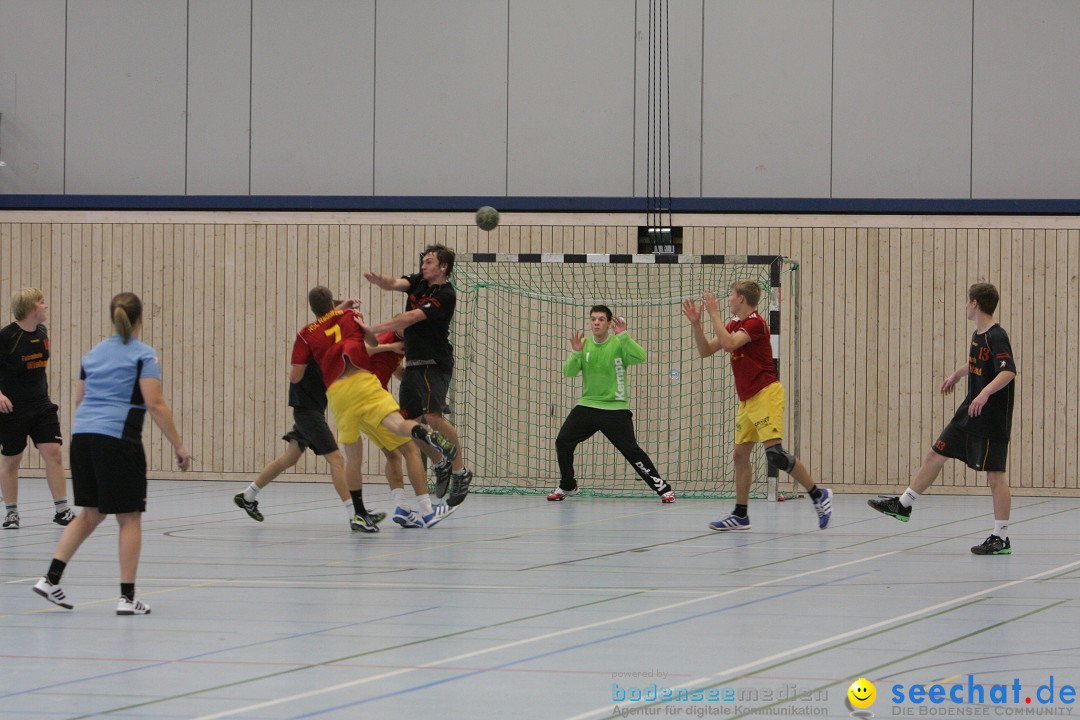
310	430
108	473
977	453
423	390
41	424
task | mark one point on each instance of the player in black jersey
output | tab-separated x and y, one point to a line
429	357
979	431
25	408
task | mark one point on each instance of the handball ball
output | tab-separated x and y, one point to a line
487	218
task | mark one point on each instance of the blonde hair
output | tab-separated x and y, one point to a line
24	301
749	290
126	312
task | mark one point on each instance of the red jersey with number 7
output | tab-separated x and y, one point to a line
329	340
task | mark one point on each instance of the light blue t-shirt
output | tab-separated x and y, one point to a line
112	402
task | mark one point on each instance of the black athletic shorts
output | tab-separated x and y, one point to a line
976	452
423	390
41	424
108	473
310	430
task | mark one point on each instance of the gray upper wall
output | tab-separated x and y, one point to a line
768	98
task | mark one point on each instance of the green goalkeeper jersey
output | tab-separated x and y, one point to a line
603	369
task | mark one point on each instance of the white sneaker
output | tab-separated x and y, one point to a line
559	495
132	607
438	513
52	593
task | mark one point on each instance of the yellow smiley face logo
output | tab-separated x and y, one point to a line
862	693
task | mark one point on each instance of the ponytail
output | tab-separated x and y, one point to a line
126	309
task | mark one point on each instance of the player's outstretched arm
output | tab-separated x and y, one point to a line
705	347
727	341
400	321
572	366
632	352
386	282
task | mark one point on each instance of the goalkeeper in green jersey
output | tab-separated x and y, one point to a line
602	361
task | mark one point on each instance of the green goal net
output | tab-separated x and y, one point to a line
511	334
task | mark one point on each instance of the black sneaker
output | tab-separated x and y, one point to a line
993	545
11	522
461	489
443	473
891	506
366	523
63	518
251	508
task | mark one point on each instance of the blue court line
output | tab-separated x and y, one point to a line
578	646
215	652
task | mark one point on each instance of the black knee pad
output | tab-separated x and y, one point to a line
780	458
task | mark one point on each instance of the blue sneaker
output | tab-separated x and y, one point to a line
823	505
731	522
438	514
407	518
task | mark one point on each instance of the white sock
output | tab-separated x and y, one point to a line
397	496
61	505
461	472
251	491
423	503
349	509
908	498
1001	528
442	463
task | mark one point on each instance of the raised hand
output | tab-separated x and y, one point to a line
619	325
382	281
576	343
691	310
710	302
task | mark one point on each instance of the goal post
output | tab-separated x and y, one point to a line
511	329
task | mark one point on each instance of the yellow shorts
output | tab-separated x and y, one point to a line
359	403
761	417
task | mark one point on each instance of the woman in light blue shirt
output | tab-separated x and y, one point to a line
119	383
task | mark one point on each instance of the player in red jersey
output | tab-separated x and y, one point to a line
761	397
357	400
386	360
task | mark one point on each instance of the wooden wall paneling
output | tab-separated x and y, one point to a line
1067	324
816	297
59	241
833	321
870	294
1035	276
1057	312
855	332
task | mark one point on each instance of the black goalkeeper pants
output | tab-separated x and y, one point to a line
618	427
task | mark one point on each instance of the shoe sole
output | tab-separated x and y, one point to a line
132	612
1007	551
66	606
729	529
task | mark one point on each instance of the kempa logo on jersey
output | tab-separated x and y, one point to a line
620	380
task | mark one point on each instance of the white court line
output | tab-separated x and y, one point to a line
539	638
606	710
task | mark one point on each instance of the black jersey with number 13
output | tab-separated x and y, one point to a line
990	354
